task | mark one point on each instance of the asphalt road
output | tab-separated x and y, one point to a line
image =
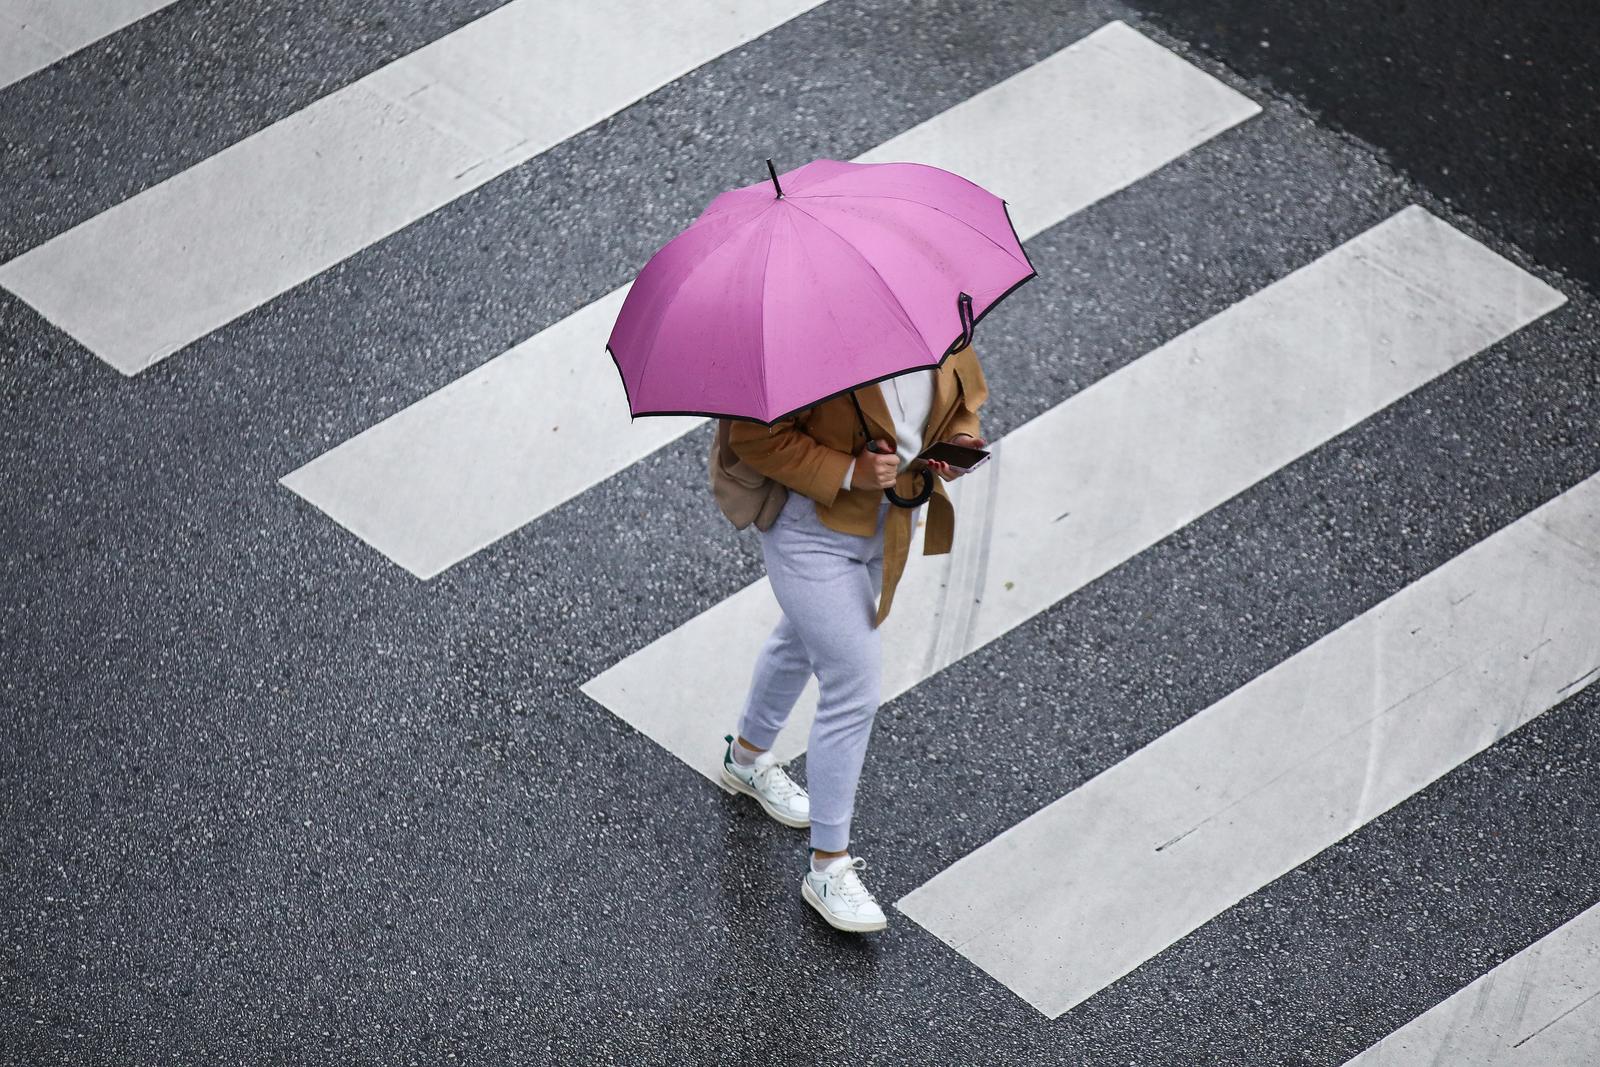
265	797
1490	106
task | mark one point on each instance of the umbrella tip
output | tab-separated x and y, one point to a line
772	171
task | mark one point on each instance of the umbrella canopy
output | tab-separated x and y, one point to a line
833	275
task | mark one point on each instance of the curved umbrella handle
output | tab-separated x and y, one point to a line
922	495
907	502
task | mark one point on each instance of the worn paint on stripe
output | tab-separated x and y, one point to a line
463	467
37	33
162	269
1127	461
1540	1008
1083	891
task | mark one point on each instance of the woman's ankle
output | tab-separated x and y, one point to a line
820	860
744	753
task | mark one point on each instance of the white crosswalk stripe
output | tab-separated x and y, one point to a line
37	33
1540	1008
461	468
1109	472
1083	891
162	269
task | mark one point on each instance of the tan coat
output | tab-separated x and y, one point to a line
809	452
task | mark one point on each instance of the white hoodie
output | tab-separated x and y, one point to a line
910	399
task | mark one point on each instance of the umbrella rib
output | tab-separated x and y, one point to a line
761	363
905	319
837	332
919	203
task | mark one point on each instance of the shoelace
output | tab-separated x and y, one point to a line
846	883
782	786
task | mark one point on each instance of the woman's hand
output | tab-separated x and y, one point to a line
875	470
943	469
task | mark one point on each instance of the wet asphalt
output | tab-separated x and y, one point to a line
266	798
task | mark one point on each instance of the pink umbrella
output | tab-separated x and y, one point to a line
780	296
775	299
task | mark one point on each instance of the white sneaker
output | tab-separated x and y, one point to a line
783	798
840	898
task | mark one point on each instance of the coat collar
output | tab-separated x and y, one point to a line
876	408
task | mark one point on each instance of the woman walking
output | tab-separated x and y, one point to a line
837	546
885	263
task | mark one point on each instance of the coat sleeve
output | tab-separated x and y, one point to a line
974	391
787	454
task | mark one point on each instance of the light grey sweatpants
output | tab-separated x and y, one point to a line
827	584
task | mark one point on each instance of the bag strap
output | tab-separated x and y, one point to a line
860	415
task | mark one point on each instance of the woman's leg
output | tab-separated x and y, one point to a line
780	676
827	584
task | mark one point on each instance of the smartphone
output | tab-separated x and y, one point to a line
956	455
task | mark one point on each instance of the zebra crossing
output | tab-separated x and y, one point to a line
1538	1007
188	255
37	33
1266	778
1121	868
452	473
1129	460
